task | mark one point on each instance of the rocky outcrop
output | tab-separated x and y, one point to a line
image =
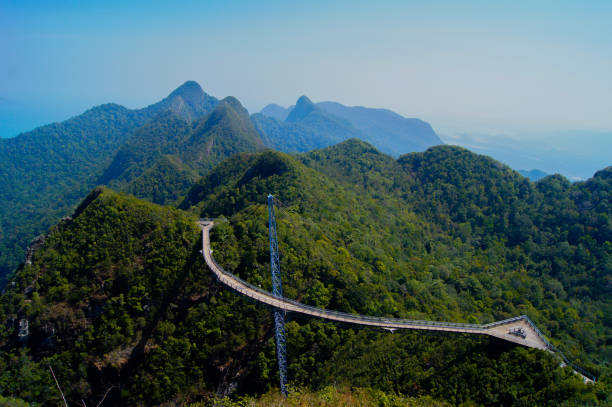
34	245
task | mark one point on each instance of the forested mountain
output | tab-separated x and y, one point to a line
554	233
188	101
388	131
276	111
161	160
305	128
119	296
143	147
157	153
45	172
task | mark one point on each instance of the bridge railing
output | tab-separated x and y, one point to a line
397	321
540	334
345	315
572	365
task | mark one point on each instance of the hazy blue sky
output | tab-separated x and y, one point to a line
502	66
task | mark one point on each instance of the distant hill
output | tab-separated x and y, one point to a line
576	155
305	128
388	131
278	112
534	175
45	172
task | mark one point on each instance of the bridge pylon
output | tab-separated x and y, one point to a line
277	291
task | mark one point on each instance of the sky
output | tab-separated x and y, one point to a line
506	67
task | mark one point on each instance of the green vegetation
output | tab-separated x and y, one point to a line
165	182
353	245
307	127
157	153
164	158
119	295
46	172
12	402
327	397
388	131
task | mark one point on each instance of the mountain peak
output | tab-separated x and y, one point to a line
303	107
276	111
190	90
188	101
229	121
234	104
303	100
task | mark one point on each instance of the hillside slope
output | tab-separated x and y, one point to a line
514	235
45	172
119	295
165	157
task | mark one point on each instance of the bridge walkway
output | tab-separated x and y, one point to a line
520	330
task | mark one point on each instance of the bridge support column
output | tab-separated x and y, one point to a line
277	291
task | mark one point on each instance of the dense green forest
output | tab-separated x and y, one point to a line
542	249
119	298
46	172
158	152
163	159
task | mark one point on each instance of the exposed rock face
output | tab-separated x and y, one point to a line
23	331
35	244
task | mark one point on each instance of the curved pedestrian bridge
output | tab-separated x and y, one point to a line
520	330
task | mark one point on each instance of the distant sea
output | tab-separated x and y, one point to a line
16	118
575	154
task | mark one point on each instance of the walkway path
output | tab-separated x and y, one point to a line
520	330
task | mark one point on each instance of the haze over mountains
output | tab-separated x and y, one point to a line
534	175
575	154
388	131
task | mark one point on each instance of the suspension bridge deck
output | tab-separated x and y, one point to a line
520	330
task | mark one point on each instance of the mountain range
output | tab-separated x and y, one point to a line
44	173
116	298
386	130
156	152
534	175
